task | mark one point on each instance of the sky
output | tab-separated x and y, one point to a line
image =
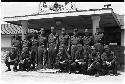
10	9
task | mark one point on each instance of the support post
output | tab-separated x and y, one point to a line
95	23
24	29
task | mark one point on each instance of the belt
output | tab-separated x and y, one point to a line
25	46
79	45
41	44
52	43
74	44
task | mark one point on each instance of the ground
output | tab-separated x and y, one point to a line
38	77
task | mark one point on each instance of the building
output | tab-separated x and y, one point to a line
59	16
7	33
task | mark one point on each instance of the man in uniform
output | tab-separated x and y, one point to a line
34	51
99	40
42	49
77	53
25	56
109	61
75	39
52	48
11	59
62	56
94	65
87	41
16	42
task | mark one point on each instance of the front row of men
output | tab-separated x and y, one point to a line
86	55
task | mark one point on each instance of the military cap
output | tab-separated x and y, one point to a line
86	30
75	29
13	47
52	27
41	29
92	47
106	47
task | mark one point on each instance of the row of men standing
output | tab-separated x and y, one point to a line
44	49
63	46
55	51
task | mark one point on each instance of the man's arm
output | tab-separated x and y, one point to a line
68	42
114	57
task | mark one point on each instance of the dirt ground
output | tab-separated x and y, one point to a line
38	77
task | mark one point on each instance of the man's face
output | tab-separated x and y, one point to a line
52	30
63	31
75	32
12	50
94	50
86	33
42	32
107	50
32	37
97	30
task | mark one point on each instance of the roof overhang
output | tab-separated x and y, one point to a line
72	18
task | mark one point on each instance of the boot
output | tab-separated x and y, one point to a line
8	69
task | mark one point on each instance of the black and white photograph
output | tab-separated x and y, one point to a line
62	42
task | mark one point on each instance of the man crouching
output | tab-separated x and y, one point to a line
109	61
94	63
12	59
24	64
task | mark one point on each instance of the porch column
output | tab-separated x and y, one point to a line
24	29
122	37
95	23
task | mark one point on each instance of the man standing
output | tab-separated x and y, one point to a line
16	42
42	49
87	41
34	51
24	57
76	52
62	56
75	39
52	48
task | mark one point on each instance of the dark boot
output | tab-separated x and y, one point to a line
97	74
8	70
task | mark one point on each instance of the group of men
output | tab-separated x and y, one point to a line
73	54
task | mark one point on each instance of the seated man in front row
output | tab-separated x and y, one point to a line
24	64
94	63
109	61
62	56
11	59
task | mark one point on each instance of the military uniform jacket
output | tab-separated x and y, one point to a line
94	57
34	42
12	56
42	40
64	39
24	54
87	40
98	38
76	40
15	43
52	39
110	57
25	43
